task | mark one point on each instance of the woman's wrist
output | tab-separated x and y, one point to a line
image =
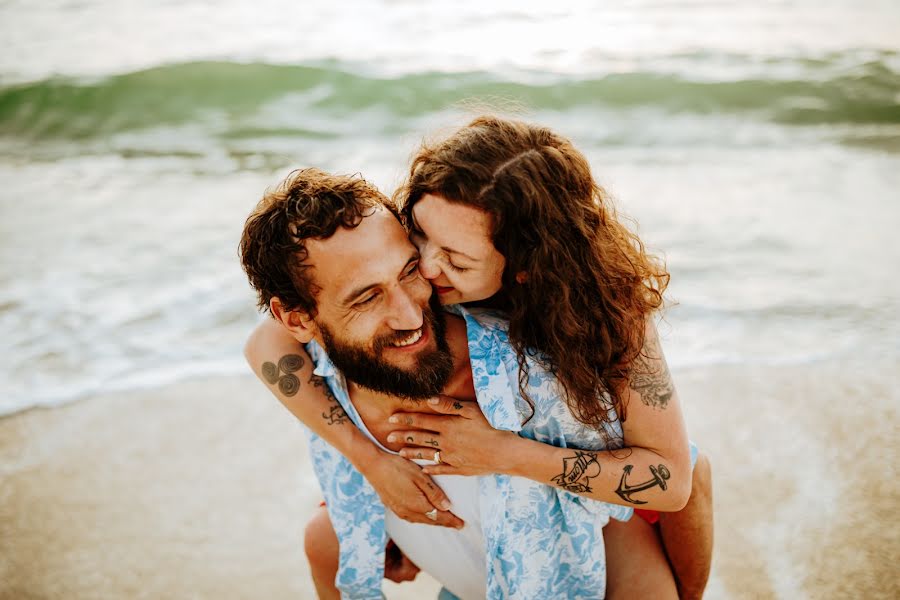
362	452
512	458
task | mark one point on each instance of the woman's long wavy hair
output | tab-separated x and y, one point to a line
588	285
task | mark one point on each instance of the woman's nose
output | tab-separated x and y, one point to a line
428	266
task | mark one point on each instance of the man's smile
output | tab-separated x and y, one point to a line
413	341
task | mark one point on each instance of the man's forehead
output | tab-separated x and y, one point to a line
370	253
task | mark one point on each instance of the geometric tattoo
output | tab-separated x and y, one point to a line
659	475
288	384
577	472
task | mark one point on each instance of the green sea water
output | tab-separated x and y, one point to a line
757	147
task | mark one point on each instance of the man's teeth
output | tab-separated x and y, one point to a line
412	339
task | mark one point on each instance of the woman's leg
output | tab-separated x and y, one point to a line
322	551
688	535
636	566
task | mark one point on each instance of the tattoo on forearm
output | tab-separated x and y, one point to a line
578	470
659	475
336	414
288	383
651	377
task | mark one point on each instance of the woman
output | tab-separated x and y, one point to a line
507	214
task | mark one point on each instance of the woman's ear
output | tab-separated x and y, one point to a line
297	322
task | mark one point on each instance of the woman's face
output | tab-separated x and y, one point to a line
457	254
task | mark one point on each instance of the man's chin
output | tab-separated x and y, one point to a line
418	369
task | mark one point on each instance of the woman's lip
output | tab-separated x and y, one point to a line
442	290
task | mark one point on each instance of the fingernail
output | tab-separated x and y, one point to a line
445	505
392	438
393	420
460	526
434	400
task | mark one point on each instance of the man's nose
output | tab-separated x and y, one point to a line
405	313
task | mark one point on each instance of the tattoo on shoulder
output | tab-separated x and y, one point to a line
650	377
335	415
282	374
578	470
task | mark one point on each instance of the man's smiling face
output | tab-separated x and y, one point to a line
374	314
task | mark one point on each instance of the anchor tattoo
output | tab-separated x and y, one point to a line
660	475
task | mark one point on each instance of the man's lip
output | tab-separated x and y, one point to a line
426	335
442	290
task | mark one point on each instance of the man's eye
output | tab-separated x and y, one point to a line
412	271
366	301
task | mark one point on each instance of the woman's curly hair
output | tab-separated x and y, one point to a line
589	284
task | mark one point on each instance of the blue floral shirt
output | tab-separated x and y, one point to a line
541	541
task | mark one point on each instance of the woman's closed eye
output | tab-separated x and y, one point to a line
456	268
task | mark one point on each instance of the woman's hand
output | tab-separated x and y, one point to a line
467	443
409	492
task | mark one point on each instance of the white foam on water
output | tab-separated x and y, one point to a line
118	263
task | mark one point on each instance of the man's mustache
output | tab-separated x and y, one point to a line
388	339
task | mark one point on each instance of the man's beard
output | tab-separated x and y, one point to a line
369	369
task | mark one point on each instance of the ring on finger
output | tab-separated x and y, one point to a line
437	457
432	514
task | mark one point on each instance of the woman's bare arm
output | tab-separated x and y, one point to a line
653	471
282	363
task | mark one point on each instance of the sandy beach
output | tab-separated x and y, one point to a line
201	490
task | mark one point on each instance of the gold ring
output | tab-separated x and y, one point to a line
437	457
432	514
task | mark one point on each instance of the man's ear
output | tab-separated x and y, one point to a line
297	322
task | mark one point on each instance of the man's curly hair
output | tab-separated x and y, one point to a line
308	204
589	284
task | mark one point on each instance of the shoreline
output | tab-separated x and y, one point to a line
202	488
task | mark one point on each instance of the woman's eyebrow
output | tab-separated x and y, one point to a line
452	251
447	249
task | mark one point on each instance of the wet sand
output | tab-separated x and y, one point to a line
201	489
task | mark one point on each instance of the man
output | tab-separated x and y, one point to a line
351	286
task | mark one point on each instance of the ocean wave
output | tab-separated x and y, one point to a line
225	95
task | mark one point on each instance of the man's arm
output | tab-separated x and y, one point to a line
283	364
653	471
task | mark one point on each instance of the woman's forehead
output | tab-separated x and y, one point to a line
457	226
